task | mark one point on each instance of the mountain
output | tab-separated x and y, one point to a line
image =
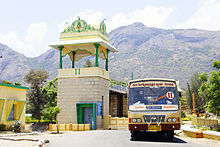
147	52
152	52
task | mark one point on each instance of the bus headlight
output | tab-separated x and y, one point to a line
169	119
174	119
139	120
134	120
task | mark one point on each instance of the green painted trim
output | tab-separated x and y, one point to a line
76	27
75	71
79	71
2	109
61	60
14	86
106	62
85	36
74	53
21	111
19	101
97	55
10	111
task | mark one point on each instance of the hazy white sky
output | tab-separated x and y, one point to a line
28	26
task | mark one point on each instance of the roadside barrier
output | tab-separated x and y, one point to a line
69	127
199	133
206	121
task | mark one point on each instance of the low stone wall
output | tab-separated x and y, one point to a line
69	127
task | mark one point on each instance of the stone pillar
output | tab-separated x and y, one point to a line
194	104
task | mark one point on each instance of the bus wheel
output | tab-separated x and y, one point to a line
134	135
170	135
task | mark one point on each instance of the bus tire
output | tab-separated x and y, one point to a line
170	135
133	135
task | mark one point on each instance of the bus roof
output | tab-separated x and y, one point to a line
152	79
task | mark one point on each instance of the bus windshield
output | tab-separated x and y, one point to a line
153	97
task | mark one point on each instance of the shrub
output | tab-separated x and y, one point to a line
183	114
2	127
17	126
17	83
10	128
187	118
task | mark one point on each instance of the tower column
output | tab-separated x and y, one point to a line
106	63
97	55
61	61
73	59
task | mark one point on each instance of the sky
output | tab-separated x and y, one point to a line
29	26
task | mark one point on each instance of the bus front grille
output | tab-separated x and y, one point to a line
153	118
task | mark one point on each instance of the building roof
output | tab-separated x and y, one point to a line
84	41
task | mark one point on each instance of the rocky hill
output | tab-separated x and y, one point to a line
147	52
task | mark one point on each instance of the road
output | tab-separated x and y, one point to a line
114	138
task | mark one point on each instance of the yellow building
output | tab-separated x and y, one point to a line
12	104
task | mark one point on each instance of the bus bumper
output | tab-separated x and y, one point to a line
144	127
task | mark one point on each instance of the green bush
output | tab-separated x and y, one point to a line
10	128
17	126
183	114
187	118
2	127
31	120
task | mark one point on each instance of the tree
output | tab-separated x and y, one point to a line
193	87
50	94
189	96
210	88
88	64
50	113
36	79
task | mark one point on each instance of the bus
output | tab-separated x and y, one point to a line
153	107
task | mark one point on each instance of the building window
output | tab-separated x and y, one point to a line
11	115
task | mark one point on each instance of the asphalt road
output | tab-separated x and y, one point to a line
115	138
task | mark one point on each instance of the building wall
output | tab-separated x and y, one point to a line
125	106
84	89
115	105
12	95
